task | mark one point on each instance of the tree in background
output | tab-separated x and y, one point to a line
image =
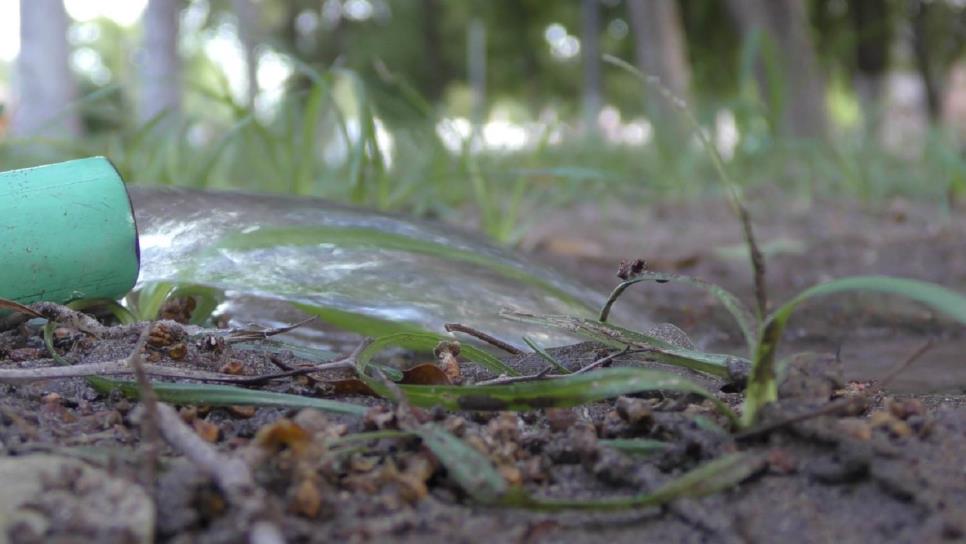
590	49
660	48
873	25
160	63
783	27
939	38
45	87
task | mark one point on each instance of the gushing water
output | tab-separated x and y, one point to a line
276	259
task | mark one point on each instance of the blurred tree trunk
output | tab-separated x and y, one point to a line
433	47
248	34
160	62
785	25
590	45
659	43
523	21
938	42
920	46
661	51
873	25
476	66
45	85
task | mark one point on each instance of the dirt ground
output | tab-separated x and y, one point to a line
805	242
887	469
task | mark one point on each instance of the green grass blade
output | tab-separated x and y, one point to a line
709	478
470	469
278	347
224	395
762	384
476	475
150	298
546	356
636	446
564	392
743	316
659	349
304	171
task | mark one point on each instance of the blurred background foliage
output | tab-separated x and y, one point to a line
487	111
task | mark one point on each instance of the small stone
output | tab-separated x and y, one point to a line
560	419
178	351
904	409
188	414
243	412
233	367
208	431
856	428
26	354
511	474
881	419
306	500
636	412
782	461
378	418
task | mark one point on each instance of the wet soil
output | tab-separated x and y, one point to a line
889	469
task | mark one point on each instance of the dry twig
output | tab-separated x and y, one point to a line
230	474
247	335
492	340
151	437
545	373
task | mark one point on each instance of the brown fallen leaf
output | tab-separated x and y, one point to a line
421	374
427	374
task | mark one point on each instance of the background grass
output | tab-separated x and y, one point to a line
292	152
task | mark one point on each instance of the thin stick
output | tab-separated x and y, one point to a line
904	365
70	318
247	335
151	443
503	380
545	373
604	360
492	340
122	367
230	474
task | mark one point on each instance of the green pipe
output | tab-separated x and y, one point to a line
67	232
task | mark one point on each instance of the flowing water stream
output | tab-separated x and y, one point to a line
274	260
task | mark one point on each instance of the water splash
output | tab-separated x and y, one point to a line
275	258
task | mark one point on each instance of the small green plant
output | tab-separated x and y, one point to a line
762	387
765	333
